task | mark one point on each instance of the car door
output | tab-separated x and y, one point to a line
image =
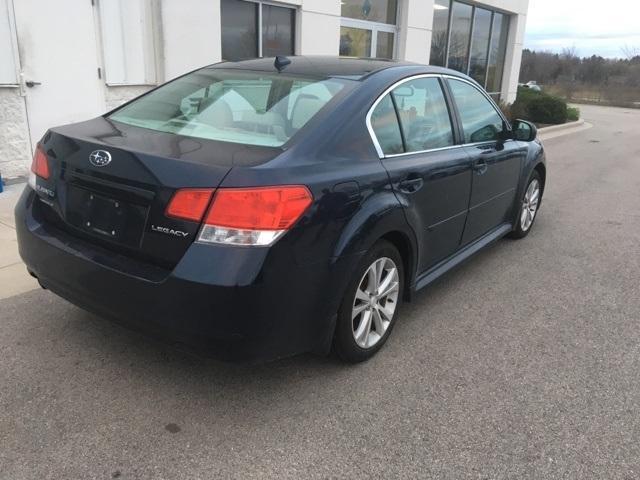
496	161
430	174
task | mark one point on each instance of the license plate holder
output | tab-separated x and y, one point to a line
104	216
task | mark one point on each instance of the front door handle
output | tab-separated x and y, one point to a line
411	185
480	167
31	83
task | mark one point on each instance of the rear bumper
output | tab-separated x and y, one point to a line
232	303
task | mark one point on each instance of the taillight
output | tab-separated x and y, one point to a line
189	203
40	164
253	216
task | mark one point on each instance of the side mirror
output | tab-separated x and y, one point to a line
524	131
485	134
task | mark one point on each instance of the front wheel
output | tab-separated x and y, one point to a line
370	305
528	207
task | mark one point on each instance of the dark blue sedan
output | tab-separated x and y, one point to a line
265	208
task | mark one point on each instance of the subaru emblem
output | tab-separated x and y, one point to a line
100	158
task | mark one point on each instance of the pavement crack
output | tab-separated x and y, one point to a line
7	225
10	265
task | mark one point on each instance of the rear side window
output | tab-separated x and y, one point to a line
384	122
424	116
480	120
251	108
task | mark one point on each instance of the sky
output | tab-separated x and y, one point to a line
593	27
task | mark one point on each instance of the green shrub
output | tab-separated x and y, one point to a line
539	107
573	114
548	109
506	110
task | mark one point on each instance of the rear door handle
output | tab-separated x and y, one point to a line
411	185
480	166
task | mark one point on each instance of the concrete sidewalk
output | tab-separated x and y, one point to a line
14	278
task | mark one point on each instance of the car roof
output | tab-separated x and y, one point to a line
328	66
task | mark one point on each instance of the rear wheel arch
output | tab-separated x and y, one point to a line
403	244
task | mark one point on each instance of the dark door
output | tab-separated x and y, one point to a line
429	173
496	163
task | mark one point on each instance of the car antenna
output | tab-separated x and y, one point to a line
281	62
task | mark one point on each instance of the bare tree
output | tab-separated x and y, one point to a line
630	51
570	53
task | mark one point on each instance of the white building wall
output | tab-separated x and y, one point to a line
513	58
15	148
116	96
187	36
318	27
190	35
414	32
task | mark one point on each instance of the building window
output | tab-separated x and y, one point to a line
480	45
472	40
128	42
256	29
497	52
459	36
439	39
368	28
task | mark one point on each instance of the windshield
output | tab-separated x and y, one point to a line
252	108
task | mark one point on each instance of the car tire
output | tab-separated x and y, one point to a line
364	301
529	206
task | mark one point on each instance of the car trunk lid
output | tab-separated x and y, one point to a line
111	184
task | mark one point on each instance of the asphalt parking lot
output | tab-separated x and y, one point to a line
523	363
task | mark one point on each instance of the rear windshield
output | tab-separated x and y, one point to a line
253	108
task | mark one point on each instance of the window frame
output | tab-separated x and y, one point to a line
260	3
375	27
454	114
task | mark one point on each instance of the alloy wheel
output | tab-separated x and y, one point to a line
530	205
375	302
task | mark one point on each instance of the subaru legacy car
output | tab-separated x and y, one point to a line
259	209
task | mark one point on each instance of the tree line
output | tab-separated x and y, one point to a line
592	79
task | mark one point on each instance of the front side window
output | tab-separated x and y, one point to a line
251	108
480	120
424	116
243	36
368	28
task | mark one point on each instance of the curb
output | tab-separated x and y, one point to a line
15	180
564	126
